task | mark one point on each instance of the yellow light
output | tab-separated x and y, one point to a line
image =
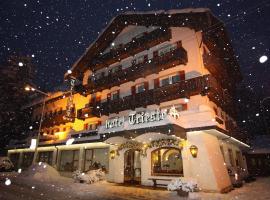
27	88
193	150
112	154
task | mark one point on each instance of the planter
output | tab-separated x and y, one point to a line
182	193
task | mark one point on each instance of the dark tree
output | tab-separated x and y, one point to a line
15	73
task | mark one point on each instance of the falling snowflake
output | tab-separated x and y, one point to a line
263	59
8	181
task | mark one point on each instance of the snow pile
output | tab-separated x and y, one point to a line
188	186
42	172
89	177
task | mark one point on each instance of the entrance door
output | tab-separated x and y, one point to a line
132	167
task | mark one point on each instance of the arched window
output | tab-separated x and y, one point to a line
166	161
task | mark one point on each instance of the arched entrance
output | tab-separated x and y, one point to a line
132	166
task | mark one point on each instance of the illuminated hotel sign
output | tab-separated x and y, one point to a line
137	118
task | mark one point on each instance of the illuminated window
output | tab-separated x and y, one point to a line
140	88
167	161
69	160
96	158
115	95
171	79
164	50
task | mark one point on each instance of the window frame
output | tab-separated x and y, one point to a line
181	174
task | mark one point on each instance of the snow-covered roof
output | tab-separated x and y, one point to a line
116	23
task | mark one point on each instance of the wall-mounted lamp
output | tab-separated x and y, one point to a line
194	151
112	154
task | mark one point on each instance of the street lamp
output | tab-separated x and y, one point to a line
29	88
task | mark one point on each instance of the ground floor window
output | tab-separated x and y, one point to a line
27	159
69	160
45	156
14	157
96	158
167	161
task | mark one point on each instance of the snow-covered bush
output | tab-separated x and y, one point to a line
187	186
89	177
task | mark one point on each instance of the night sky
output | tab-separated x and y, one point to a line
56	33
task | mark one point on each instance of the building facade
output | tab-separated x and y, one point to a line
154	101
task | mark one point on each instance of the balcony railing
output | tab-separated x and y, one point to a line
56	119
204	85
137	45
44	138
159	63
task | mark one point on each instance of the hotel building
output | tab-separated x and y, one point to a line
153	100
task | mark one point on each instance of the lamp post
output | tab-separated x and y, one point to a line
29	88
264	120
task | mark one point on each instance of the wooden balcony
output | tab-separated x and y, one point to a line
44	138
204	85
56	119
85	113
159	63
135	46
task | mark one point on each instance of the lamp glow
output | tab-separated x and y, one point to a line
194	151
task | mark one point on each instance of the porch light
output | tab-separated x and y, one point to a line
194	151
112	154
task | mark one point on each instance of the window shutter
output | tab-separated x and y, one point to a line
145	58
133	90
182	75
85	126
146	85
108	96
156	83
155	54
184	106
98	123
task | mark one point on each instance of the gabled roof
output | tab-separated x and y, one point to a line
197	19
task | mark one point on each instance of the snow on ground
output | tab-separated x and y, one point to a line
47	184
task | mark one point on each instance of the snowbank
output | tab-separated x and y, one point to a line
89	177
42	172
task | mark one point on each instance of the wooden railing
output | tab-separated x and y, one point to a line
56	119
204	85
159	63
135	46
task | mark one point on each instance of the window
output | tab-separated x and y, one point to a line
140	88
85	127
166	49
238	159
14	157
222	152
27	159
231	157
115	95
69	160
45	156
171	79
167	161
96	158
